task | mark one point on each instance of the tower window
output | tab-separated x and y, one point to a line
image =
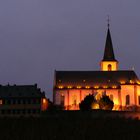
109	67
127	100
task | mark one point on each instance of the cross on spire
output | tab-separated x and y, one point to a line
108	21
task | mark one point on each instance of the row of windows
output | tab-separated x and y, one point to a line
127	100
19	111
20	101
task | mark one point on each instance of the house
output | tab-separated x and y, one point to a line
21	100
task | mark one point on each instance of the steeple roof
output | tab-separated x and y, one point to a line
108	52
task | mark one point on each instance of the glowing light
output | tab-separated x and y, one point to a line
105	86
78	86
60	87
59	80
0	102
122	82
96	86
114	86
44	104
95	106
87	87
105	66
131	82
84	80
115	101
69	86
44	101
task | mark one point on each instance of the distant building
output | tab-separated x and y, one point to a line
21	100
122	86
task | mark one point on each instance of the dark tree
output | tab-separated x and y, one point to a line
86	104
105	103
53	107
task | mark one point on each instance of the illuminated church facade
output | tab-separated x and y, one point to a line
122	86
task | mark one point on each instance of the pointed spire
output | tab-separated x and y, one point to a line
108	52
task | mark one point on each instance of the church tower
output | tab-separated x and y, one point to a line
109	63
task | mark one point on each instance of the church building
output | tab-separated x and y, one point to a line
122	86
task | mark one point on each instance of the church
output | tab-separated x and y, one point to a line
122	86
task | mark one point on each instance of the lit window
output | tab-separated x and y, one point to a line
109	67
0	102
111	97
127	100
139	99
62	100
44	100
74	102
44	104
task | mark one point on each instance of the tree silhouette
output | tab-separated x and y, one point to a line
105	103
86	104
53	107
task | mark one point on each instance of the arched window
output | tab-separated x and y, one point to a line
127	100
111	97
109	67
62	100
139	99
74	100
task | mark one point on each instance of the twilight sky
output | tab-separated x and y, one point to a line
39	36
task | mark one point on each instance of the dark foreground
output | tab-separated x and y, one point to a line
69	126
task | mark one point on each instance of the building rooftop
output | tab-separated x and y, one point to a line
95	78
20	91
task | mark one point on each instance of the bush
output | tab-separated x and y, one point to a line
53	107
105	103
87	103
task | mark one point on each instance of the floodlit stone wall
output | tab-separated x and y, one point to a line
72	97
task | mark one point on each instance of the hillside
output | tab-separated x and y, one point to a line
69	126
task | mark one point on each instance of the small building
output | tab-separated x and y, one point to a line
21	100
122	86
